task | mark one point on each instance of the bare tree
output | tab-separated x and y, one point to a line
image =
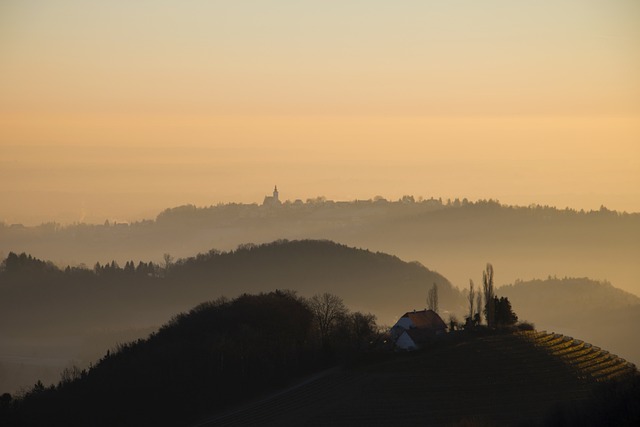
362	329
487	286
478	314
327	309
432	298
471	297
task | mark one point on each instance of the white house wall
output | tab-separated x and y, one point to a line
405	342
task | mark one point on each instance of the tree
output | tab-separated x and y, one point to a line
129	267
478	315
487	287
471	297
504	314
432	298
327	309
362	328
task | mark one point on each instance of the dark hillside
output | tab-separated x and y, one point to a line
256	360
218	354
38	296
492	380
368	281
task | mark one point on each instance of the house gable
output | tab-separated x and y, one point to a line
416	328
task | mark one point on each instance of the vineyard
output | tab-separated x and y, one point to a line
508	379
590	363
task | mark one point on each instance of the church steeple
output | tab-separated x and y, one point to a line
272	200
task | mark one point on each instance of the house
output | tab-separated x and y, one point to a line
415	328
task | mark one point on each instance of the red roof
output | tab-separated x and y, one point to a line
426	319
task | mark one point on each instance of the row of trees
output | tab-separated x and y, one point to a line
337	327
26	268
497	311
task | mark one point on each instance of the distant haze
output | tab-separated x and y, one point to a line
580	163
117	110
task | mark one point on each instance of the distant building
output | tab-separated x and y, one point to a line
416	328
272	200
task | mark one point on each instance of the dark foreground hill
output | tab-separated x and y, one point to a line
218	354
526	379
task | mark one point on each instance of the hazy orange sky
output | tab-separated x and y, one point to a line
119	109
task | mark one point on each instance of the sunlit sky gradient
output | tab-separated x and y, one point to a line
118	109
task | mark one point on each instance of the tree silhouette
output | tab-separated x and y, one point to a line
471	297
327	309
504	314
487	287
432	298
478	315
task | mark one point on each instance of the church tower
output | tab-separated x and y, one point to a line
272	200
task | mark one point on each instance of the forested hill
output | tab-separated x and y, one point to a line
596	311
78	313
218	354
456	238
373	282
368	281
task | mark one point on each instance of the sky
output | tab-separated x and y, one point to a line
117	110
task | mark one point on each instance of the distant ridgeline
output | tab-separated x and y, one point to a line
457	236
406	206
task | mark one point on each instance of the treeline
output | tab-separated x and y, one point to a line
407	204
217	355
25	268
